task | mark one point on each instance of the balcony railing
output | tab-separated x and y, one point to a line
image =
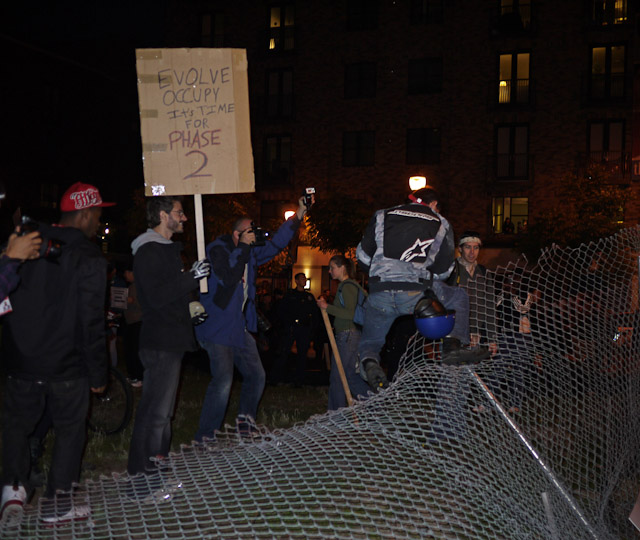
607	86
617	164
510	93
510	168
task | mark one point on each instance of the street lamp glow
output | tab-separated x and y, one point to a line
288	214
417	182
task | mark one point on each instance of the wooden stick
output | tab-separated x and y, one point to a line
197	203
336	354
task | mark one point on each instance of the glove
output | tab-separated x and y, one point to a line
198	314
375	376
201	269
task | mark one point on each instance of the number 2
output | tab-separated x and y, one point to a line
205	160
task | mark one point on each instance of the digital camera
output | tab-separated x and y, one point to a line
51	247
308	196
261	235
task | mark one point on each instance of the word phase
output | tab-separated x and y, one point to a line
191	96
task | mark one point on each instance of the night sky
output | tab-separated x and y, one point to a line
69	94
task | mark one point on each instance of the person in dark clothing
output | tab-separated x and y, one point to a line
131	338
164	292
55	354
299	316
226	335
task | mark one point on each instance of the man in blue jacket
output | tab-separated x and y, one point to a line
226	333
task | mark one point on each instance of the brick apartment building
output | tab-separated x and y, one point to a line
493	101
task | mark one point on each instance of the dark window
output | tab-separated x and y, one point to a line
607	72
277	159
360	80
606	12
212	30
425	11
362	14
513	78
515	15
606	145
425	76
512	157
514	208
281	28
279	93
423	146
358	148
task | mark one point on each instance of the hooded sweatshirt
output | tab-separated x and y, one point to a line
164	292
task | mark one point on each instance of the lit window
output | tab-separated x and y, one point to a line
281	28
510	215
607	72
513	84
606	12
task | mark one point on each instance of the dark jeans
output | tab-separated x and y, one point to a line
222	358
152	429
24	404
302	336
132	350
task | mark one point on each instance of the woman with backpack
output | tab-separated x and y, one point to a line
347	333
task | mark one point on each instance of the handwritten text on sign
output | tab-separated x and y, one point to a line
198	124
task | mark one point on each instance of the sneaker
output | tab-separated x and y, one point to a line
13	500
76	513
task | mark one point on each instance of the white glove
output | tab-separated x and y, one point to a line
201	269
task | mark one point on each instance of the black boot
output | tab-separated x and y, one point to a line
454	354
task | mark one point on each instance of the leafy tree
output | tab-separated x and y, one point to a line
337	223
590	207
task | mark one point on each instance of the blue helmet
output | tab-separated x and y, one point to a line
432	319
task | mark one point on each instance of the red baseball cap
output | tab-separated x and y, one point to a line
80	196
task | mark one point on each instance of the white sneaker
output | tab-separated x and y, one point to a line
78	512
11	507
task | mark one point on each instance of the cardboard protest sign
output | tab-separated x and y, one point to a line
194	118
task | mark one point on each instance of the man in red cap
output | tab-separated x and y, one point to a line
54	341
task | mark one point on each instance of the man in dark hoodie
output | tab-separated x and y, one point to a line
164	292
54	355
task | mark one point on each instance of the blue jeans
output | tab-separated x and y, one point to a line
511	366
347	342
222	358
384	307
152	429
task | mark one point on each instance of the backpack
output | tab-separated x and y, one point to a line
358	314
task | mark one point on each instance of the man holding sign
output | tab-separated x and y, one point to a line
164	293
230	303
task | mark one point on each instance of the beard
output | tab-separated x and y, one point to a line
174	226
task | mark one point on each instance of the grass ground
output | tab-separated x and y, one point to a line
281	407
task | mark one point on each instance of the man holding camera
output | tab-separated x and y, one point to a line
54	353
230	303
